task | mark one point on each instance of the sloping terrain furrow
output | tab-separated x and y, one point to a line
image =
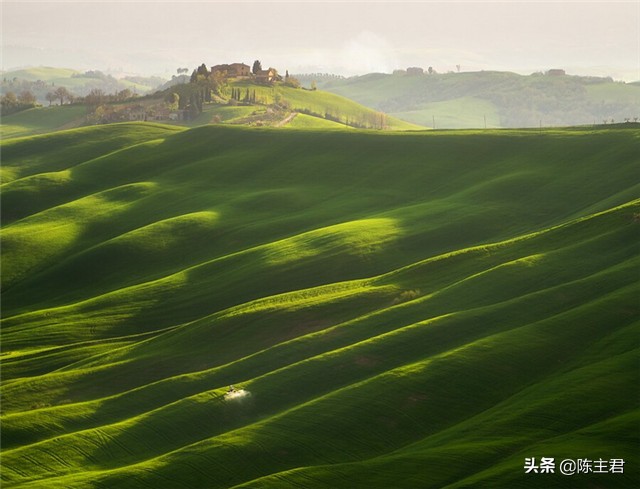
157	356
333	369
538	355
428	170
397	310
367	360
30	195
120	366
467	464
64	149
45	238
362	246
296	263
531	415
340	366
44	361
165	351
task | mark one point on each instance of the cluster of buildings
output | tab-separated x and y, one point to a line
161	112
241	70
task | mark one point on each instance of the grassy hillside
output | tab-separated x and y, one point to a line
41	80
461	100
403	309
303	121
277	106
324	105
41	120
44	73
457	113
75	80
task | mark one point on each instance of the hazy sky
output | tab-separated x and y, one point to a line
152	37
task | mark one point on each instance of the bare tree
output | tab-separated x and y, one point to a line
26	98
62	93
95	97
124	94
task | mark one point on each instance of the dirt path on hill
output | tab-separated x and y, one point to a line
287	119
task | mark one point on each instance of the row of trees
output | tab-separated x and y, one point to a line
77	85
291	81
613	121
97	97
204	86
249	96
61	94
10	102
26	99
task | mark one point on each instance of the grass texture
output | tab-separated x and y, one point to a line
404	309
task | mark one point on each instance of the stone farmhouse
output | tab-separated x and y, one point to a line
234	70
268	76
241	70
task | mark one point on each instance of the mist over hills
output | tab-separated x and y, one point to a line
494	99
450	100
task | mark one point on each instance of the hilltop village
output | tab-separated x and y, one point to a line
223	84
243	72
232	94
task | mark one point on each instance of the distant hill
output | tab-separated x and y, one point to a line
42	120
502	99
43	79
175	80
275	105
401	310
44	73
324	105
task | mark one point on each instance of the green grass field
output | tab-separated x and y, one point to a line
614	92
421	309
44	73
320	104
41	120
457	113
68	78
304	121
323	105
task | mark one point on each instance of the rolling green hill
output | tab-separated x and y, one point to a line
277	106
400	309
77	81
41	120
463	100
43	79
304	121
44	73
326	106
